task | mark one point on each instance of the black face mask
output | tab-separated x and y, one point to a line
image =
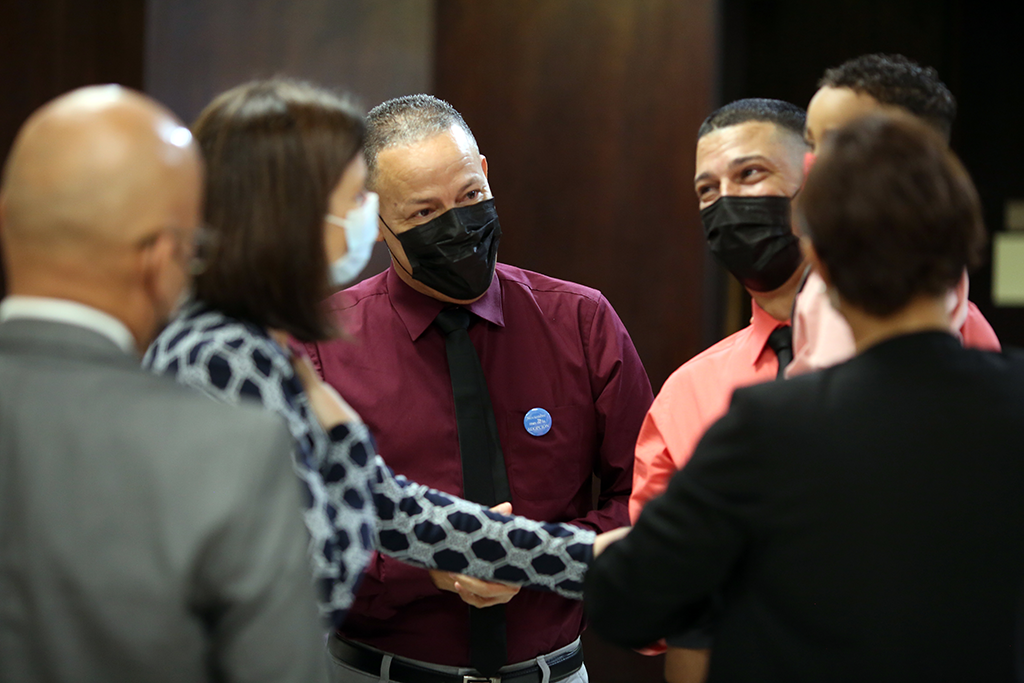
455	253
752	238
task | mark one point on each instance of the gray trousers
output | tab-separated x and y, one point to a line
340	672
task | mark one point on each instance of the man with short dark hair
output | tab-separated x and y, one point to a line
480	379
148	532
783	114
880	80
863	85
749	164
863	522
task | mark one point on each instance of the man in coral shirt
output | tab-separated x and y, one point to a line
860	86
699	392
749	164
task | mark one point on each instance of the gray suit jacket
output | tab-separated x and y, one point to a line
147	533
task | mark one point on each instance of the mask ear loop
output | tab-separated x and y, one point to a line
389	248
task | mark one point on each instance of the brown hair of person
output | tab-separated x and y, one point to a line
891	212
274	151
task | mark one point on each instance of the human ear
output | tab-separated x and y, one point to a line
163	277
483	164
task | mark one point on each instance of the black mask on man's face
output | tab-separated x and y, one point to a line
752	238
455	253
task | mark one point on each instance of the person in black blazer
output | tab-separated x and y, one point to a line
865	522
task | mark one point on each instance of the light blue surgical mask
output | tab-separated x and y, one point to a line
360	225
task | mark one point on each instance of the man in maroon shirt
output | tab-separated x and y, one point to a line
567	388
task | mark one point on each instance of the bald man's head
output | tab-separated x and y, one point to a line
84	167
95	180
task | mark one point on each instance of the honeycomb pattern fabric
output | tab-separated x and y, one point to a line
354	503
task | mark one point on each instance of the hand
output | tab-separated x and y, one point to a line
686	666
476	592
502	508
329	407
607	538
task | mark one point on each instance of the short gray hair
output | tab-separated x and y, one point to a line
405	120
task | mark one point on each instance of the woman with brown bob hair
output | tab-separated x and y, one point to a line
275	152
286	207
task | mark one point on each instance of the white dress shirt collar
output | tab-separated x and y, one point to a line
69	312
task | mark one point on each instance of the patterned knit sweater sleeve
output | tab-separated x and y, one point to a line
354	503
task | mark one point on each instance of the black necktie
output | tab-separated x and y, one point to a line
781	342
484	479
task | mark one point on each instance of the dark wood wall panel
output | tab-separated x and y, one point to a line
198	48
374	50
587	111
48	47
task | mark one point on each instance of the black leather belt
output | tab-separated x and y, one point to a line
369	661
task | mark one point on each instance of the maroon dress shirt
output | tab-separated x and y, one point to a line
543	343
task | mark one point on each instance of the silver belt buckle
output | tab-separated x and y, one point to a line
481	679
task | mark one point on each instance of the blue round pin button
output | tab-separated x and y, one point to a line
537	422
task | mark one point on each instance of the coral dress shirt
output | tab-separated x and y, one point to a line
542	343
693	398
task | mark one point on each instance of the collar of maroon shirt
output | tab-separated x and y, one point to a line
417	311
